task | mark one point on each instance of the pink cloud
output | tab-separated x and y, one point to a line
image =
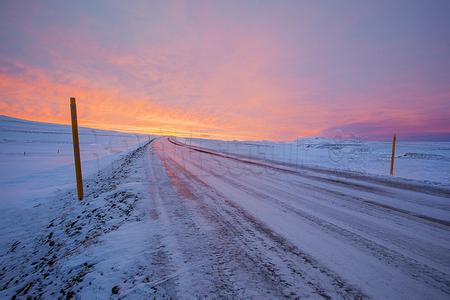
255	72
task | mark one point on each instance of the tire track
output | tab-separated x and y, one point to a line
413	268
361	187
317	202
308	271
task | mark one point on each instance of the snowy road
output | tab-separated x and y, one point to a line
174	220
234	227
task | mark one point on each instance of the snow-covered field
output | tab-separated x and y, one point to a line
37	158
166	217
37	182
422	161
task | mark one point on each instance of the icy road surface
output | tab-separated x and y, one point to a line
244	228
180	221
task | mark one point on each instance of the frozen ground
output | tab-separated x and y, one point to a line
422	161
169	219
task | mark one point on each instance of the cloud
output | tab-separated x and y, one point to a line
223	69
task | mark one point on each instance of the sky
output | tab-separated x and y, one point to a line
273	70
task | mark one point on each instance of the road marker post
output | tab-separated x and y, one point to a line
76	147
394	141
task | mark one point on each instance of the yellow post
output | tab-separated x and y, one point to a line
76	147
394	141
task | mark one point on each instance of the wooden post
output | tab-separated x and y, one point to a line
76	147
394	141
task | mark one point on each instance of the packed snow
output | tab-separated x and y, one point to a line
184	218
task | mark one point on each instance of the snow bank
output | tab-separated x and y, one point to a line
423	161
53	245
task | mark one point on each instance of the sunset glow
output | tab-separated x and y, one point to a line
230	69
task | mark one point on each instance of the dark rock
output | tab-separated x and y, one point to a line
115	289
